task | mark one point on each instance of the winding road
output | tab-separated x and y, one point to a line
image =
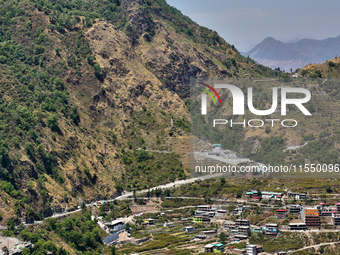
129	194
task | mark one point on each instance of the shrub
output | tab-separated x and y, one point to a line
38	49
52	121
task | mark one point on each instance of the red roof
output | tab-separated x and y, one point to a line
281	210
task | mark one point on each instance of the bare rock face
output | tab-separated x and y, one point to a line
139	19
125	73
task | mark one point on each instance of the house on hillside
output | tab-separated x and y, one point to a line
272	228
214	248
188	229
297	226
272	195
281	213
296	195
294	208
311	217
117	225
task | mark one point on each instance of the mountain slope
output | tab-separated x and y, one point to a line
85	85
328	69
274	53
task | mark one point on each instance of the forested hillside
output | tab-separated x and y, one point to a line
88	90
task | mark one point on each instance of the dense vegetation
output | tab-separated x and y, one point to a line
35	102
56	146
78	231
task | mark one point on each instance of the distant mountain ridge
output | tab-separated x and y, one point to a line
274	53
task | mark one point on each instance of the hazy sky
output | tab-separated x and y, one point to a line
247	22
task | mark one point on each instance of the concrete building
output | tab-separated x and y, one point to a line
169	224
296	195
257	229
197	219
243	230
14	245
209	248
210	232
221	212
241	222
297	226
229	225
253	249
240	237
111	238
201	219
149	221
214	248
189	229
271	195
199	213
272	229
205	219
201	237
281	213
294	209
219	247
326	211
311	217
336	218
117	225
204	208
338	207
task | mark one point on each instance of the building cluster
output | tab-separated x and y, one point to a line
214	248
238	229
254	193
17	248
251	249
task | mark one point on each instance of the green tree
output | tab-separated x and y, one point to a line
29	148
30	185
5	250
223	237
328	188
52	121
238	193
113	250
58	84
74	115
98	71
10	225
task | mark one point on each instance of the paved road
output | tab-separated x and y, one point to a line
129	194
169	185
294	147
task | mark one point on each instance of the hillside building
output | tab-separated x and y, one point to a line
311	217
272	229
281	213
297	226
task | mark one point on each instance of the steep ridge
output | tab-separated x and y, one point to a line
87	88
